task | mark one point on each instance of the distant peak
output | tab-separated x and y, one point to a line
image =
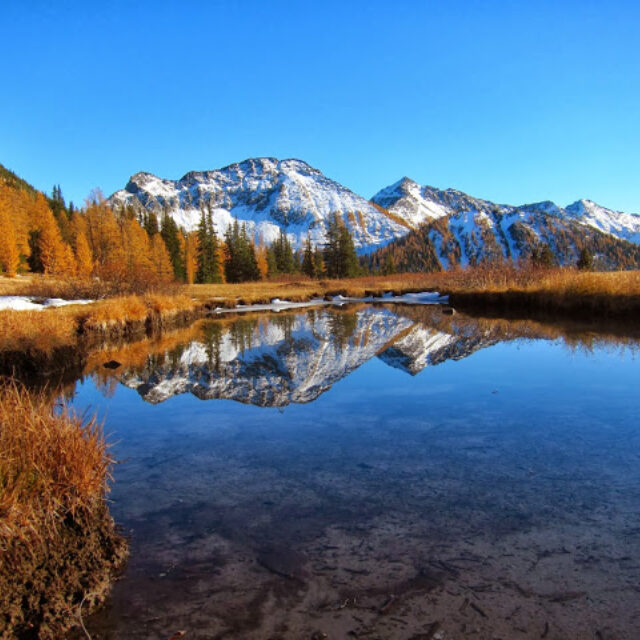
142	175
139	180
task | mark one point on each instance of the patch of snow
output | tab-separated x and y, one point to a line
59	302
425	297
24	303
18	303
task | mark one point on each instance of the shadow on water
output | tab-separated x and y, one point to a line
374	472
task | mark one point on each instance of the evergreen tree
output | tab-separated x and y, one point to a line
308	263
207	254
250	269
150	223
169	233
56	202
214	250
585	260
349	265
340	257
283	253
241	263
272	263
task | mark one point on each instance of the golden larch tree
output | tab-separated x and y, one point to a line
161	260
105	240
80	245
9	255
191	256
56	256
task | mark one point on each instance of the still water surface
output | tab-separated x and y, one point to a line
377	472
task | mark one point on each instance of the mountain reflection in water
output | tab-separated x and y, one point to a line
278	359
293	358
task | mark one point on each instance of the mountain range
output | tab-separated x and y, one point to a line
448	226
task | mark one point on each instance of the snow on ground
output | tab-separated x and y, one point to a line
25	303
425	297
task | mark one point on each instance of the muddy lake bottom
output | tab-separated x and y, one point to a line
397	482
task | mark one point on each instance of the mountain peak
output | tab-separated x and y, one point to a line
267	194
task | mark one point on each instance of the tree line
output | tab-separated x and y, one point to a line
44	234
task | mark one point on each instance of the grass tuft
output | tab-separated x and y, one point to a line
51	464
58	543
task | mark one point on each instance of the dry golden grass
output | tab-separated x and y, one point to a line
169	304
58	327
563	291
479	279
51	465
125	309
59	546
39	330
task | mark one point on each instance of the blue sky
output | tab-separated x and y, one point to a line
510	101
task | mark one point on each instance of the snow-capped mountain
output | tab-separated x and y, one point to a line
452	228
267	194
616	223
419	204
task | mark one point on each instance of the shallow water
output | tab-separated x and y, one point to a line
374	473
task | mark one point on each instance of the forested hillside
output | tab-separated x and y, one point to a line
42	234
473	238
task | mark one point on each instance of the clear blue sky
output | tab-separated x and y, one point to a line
511	101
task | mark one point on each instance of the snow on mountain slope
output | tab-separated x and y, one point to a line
623	225
423	204
267	194
408	200
458	229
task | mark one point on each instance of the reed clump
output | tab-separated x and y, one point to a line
58	544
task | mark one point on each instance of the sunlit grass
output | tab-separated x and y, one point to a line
51	465
479	279
58	327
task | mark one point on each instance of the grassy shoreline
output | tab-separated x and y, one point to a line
59	547
494	291
566	292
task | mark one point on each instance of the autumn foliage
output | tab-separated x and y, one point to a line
42	235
